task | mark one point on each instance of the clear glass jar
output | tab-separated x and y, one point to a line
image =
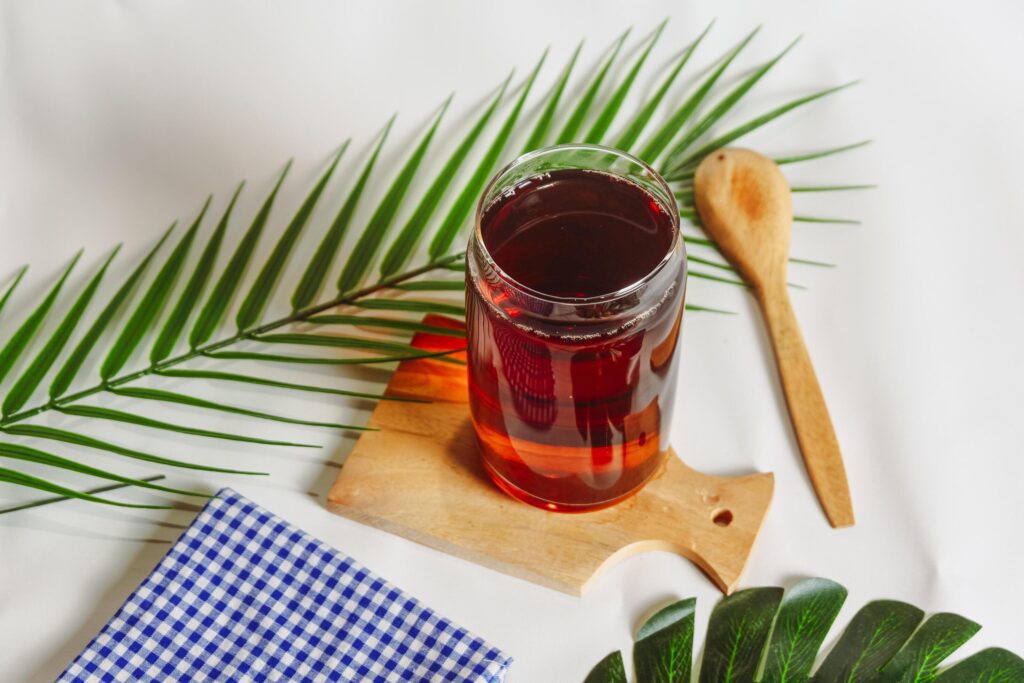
576	276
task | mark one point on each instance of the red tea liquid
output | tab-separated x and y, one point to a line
568	397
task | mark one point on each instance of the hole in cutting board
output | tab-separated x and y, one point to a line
722	517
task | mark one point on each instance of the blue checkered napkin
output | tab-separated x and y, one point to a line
245	596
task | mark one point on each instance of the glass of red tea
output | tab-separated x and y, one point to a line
577	275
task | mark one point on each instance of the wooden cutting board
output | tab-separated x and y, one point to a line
420	477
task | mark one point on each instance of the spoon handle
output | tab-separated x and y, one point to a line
807	410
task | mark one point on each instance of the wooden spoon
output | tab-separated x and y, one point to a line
745	206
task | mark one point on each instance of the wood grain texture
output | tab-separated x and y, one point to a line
420	477
745	206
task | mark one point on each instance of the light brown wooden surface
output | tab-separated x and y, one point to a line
420	477
745	206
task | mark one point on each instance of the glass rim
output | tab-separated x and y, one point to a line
661	183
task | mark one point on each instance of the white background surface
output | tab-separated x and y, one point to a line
116	118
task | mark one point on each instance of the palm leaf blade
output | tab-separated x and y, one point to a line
44	360
147	394
373	235
101	413
659	141
175	323
263	381
411	305
305	360
148	309
78	439
224	291
28	481
19	341
34	455
460	209
643	117
433	286
738	132
316	272
604	120
723	107
332	341
540	130
403	245
259	295
572	126
797	158
81	351
338	342
11	287
390	323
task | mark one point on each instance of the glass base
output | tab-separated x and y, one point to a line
528	498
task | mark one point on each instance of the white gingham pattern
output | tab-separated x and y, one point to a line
245	596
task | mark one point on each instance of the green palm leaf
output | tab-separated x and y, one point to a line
822	219
373	235
459	211
723	107
148	309
547	116
433	286
183	399
61	498
76	359
101	413
224	291
402	247
42	363
412	305
19	341
316	272
782	161
11	287
389	323
604	120
305	360
28	481
600	93
830	188
572	126
694	158
659	141
34	455
334	342
643	117
193	290
338	342
78	439
263	381
259	295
